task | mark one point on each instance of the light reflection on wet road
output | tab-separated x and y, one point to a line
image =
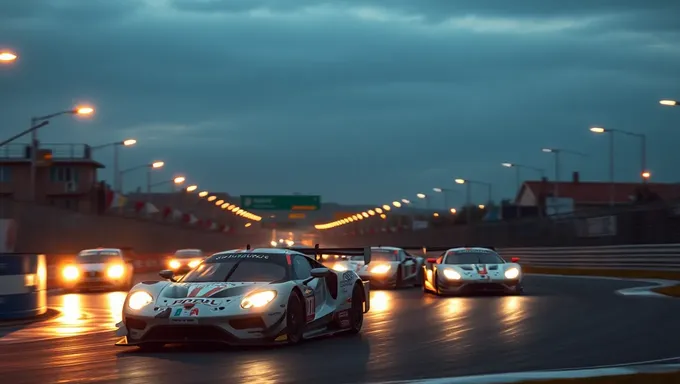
560	323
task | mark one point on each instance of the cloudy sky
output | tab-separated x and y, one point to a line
356	100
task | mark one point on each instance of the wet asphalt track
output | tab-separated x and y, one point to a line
560	323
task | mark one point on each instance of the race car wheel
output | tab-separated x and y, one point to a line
356	313
295	319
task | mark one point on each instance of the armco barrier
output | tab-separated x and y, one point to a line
651	257
23	291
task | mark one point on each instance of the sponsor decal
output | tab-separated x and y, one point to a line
209	302
184	321
311	307
194	312
260	256
344	323
348	276
469	250
178	312
347	279
207	290
343	314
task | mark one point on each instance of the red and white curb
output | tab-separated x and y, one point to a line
636	291
508	378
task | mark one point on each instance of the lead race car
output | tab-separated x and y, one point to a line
246	297
469	270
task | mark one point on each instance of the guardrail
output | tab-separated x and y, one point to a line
650	257
23	291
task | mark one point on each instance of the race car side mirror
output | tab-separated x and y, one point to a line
167	274
432	260
320	272
514	259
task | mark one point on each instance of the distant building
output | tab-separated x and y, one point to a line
66	175
578	195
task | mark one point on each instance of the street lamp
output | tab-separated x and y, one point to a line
39	122
396	204
468	202
670	103
517	167
203	194
406	201
149	167
116	165
192	188
425	198
556	152
444	192
7	56
643	154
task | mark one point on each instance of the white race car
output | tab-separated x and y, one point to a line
470	270
100	268
241	297
390	267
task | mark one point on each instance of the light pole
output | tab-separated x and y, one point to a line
41	121
444	192
8	57
425	198
669	103
149	167
179	180
468	203
517	167
116	165
556	152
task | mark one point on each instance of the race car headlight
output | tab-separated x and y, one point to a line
339	267
451	274
174	264
139	300
115	271
194	263
70	273
512	273
380	269
258	299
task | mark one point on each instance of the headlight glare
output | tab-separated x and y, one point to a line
512	273
339	267
139	300
115	271
174	264
70	272
380	269
451	274
258	299
194	263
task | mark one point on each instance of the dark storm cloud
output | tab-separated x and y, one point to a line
354	109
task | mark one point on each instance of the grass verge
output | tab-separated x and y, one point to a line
643	378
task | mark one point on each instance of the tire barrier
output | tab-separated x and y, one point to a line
23	286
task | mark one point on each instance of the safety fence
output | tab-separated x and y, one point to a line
651	257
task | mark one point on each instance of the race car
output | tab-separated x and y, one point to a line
101	268
390	267
246	297
185	260
471	270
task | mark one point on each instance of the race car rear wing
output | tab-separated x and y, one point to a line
317	252
426	249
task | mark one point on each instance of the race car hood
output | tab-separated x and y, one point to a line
206	290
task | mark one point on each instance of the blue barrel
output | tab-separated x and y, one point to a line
23	285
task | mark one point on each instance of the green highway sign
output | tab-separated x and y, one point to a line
281	203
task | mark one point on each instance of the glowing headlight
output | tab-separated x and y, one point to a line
451	274
194	263
174	264
258	299
339	267
512	273
70	273
139	300
380	269
115	271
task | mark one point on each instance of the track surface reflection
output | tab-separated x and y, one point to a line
559	323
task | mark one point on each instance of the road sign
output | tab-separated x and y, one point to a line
281	203
296	215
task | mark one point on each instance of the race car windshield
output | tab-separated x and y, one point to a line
240	267
473	258
383	256
97	257
188	254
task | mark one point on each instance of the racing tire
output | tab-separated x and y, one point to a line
356	313
151	347
295	319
